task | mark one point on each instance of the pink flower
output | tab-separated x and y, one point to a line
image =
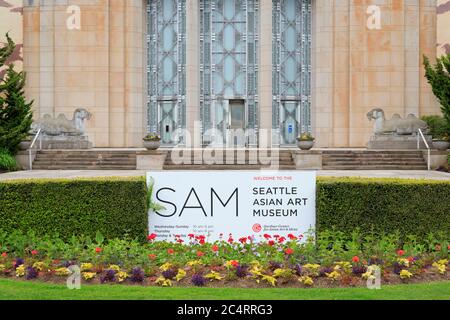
34	252
4	254
151	237
289	251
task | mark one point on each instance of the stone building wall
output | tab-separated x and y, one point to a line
102	66
11	21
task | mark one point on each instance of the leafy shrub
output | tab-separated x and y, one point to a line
7	161
115	207
437	125
415	207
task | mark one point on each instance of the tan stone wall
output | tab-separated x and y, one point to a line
11	21
357	69
100	67
443	27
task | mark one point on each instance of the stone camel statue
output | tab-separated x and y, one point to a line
61	126
396	125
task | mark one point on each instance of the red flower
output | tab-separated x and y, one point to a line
355	259
281	239
401	252
410	259
34	252
4	254
215	248
448	248
230	240
151	237
271	243
200	254
170	251
152	256
243	240
180	241
292	237
98	250
289	251
267	236
191	236
234	263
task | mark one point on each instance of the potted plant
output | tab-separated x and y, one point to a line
442	143
305	141
152	141
25	144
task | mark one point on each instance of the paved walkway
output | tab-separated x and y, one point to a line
434	175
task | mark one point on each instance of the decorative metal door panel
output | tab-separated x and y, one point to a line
166	43
291	68
229	62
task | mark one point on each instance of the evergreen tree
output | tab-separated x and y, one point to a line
438	76
15	113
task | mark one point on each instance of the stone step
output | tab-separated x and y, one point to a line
378	167
225	167
82	167
373	163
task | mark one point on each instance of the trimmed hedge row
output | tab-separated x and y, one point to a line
412	207
118	206
114	207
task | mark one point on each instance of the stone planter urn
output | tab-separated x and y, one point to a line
152	144
441	145
305	145
25	145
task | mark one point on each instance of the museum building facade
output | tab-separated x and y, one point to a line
211	67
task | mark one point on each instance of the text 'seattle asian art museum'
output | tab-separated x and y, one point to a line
231	73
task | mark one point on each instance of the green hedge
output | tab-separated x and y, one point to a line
413	207
117	206
114	207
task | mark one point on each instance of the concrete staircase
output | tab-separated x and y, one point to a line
85	160
373	160
286	162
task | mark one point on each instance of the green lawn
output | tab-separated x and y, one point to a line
10	289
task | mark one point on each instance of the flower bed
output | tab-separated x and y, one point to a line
297	261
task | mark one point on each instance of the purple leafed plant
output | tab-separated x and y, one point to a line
242	271
358	270
18	262
169	274
137	275
32	273
198	280
109	276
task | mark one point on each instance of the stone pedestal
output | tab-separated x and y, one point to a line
308	160
65	142
438	159
397	142
23	158
150	160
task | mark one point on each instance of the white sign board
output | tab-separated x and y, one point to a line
216	204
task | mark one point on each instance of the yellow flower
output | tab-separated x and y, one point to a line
269	279
180	275
312	268
256	271
2	267
62	272
334	275
442	268
405	274
307	281
404	262
86	266
213	275
194	263
114	267
88	275
443	261
122	276
283	273
344	266
20	271
166	266
39	266
163	282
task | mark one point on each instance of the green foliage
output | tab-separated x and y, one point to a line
437	125
414	207
438	76
7	161
113	207
15	113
